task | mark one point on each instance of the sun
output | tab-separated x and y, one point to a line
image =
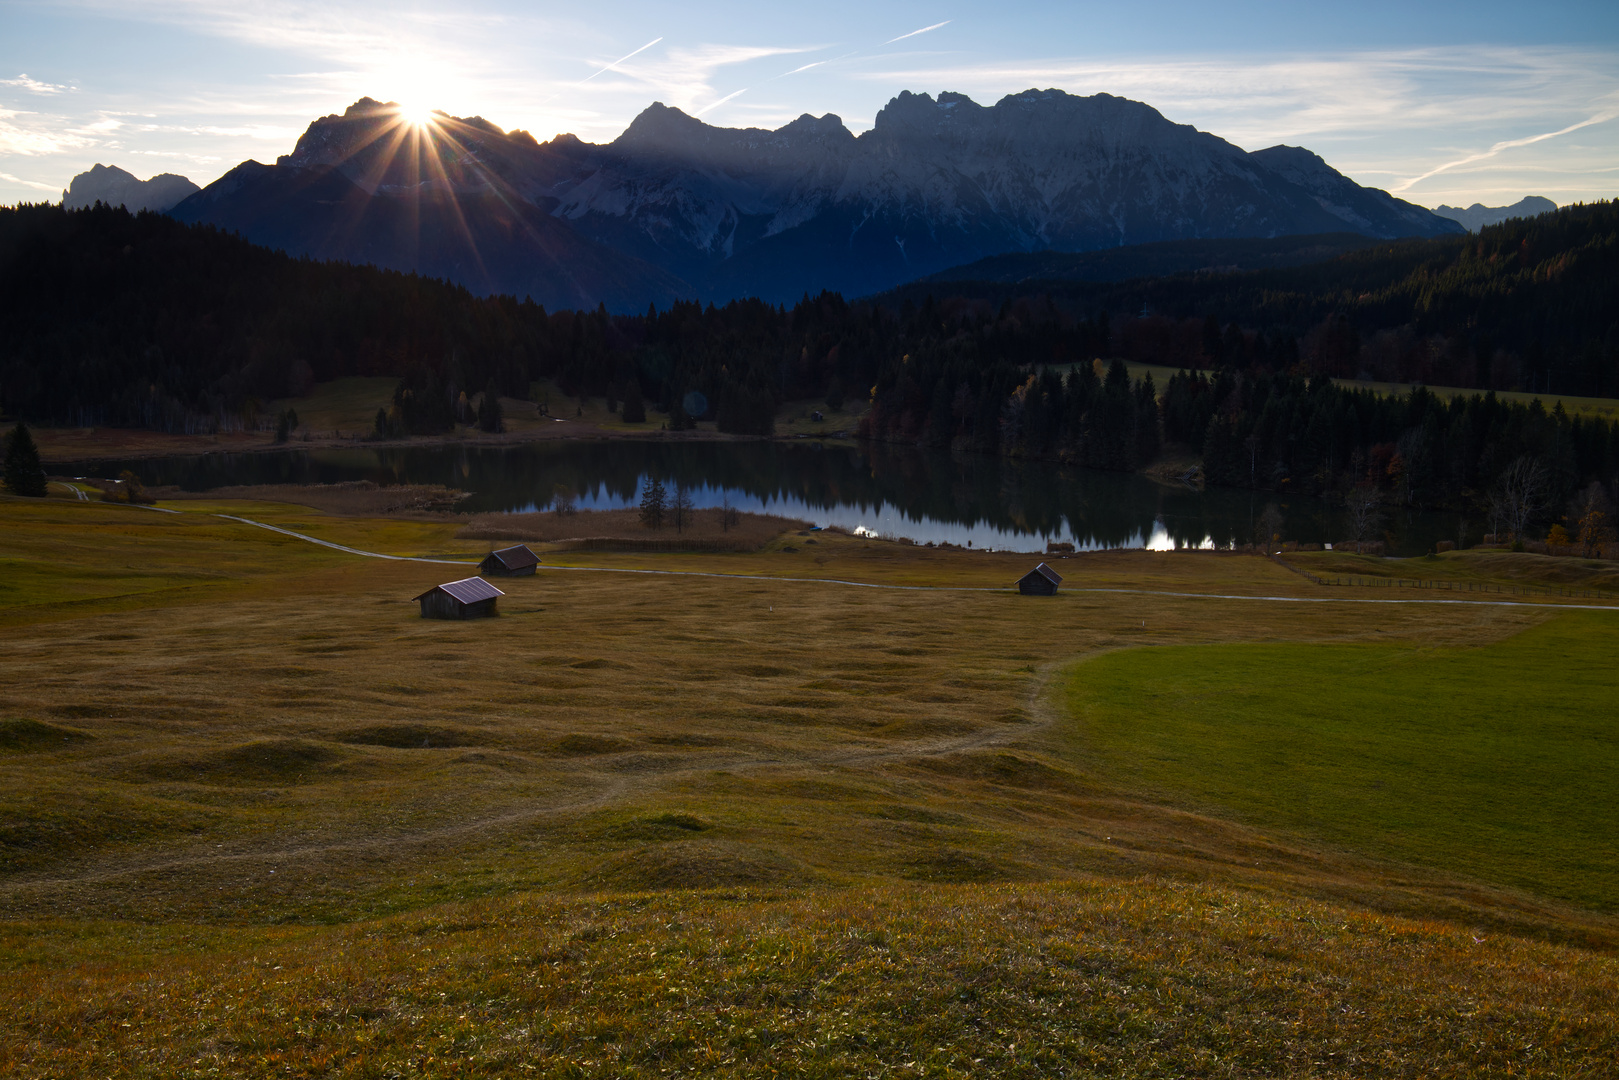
416	114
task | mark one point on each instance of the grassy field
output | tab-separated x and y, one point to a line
256	816
1468	759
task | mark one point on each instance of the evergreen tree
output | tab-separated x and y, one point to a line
634	406
24	473
489	411
652	503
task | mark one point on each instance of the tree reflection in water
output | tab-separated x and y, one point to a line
892	490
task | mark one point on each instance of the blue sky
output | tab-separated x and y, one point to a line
1438	102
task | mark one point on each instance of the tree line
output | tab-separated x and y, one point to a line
137	320
1529	304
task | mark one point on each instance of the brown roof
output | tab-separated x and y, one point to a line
516	557
467	590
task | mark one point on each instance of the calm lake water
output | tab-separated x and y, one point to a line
892	491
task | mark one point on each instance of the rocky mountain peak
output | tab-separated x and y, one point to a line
113	186
662	127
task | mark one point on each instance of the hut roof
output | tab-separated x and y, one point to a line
467	590
516	557
1046	572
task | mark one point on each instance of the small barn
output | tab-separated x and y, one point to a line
516	561
469	598
1041	581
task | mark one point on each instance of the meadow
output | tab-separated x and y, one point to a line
1458	758
258	817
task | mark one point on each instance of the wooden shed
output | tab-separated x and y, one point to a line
516	561
1041	581
469	598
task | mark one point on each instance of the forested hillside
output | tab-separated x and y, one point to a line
1530	304
137	320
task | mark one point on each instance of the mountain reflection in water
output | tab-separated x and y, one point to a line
988	502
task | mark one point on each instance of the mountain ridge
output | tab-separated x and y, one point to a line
1475	217
729	212
116	187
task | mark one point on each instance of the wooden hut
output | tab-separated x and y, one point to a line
515	561
469	598
1041	581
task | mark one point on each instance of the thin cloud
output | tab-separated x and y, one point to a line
34	139
913	33
34	86
35	184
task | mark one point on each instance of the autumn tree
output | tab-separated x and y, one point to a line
1591	514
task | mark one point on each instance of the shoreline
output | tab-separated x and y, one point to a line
62	445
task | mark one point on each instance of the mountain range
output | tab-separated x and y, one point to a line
676	208
1478	215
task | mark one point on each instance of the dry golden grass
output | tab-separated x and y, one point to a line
233	752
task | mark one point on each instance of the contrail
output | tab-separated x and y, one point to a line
619	61
913	33
721	101
1600	118
816	64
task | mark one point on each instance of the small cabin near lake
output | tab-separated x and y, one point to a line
1041	581
469	598
517	561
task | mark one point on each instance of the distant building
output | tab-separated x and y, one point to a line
1041	581
516	561
469	598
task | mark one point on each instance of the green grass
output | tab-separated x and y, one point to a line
1494	762
348	405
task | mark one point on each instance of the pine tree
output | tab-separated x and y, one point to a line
652	501
489	412
24	473
634	406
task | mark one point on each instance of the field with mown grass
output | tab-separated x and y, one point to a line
1467	758
258	817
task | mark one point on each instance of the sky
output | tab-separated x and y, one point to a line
1437	102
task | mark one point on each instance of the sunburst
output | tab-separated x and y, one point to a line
417	114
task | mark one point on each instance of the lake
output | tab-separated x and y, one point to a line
987	502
